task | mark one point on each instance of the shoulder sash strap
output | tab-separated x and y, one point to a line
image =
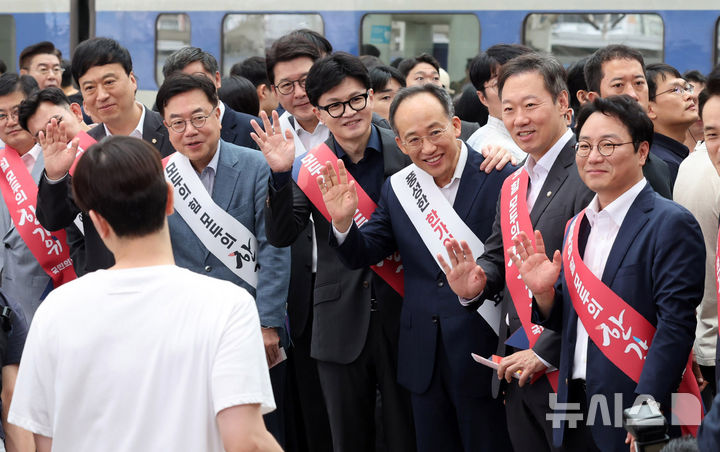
19	191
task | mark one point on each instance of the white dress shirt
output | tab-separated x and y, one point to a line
310	139
495	133
138	131
207	175
30	157
604	227
538	171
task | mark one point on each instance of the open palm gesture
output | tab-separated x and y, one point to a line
277	147
340	196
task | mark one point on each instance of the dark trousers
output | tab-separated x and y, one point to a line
308	416
275	420
350	394
580	437
708	394
526	409
448	421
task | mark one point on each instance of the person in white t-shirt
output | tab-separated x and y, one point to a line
144	355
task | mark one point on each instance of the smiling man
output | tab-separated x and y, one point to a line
102	69
452	406
632	275
356	312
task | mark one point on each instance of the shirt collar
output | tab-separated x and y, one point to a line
299	129
221	107
460	167
138	132
497	124
373	143
214	161
546	161
33	154
617	209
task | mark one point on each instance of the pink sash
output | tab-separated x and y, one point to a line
622	334
305	172
514	217
85	142
19	191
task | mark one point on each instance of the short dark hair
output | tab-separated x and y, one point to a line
658	71
288	48
3	67
29	106
319	41
626	110
381	75
239	94
694	76
121	178
576	82
329	72
593	67
407	64
547	66
10	83
712	89
370	61
438	92
177	61
485	66
40	48
253	69
99	52
67	74
369	50
180	83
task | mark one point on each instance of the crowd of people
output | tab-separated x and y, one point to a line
316	253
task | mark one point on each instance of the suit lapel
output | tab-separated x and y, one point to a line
470	184
226	177
556	177
634	221
393	158
228	127
152	129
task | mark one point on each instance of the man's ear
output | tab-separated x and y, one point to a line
261	91
76	110
482	98
582	96
591	96
101	224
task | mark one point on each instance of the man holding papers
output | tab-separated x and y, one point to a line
442	195
632	274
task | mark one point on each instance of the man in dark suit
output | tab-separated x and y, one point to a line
648	251
452	406
192	60
102	68
534	101
619	69
356	314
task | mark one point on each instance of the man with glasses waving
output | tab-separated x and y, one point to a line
219	225
42	62
356	313
672	110
442	195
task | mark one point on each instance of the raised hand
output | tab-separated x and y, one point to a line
466	278
340	197
58	156
536	270
278	148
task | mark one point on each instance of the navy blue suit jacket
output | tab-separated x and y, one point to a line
656	265
236	128
429	302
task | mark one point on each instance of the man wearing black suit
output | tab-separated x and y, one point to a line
192	60
619	69
102	69
534	101
356	313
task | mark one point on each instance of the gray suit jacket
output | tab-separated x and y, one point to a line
240	189
562	196
23	279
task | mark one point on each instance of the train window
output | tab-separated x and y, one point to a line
247	35
571	37
452	39
7	41
172	32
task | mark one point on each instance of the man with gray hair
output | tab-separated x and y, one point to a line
443	194
195	61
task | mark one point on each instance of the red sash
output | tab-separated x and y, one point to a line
19	191
305	172
85	142
622	334
514	217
